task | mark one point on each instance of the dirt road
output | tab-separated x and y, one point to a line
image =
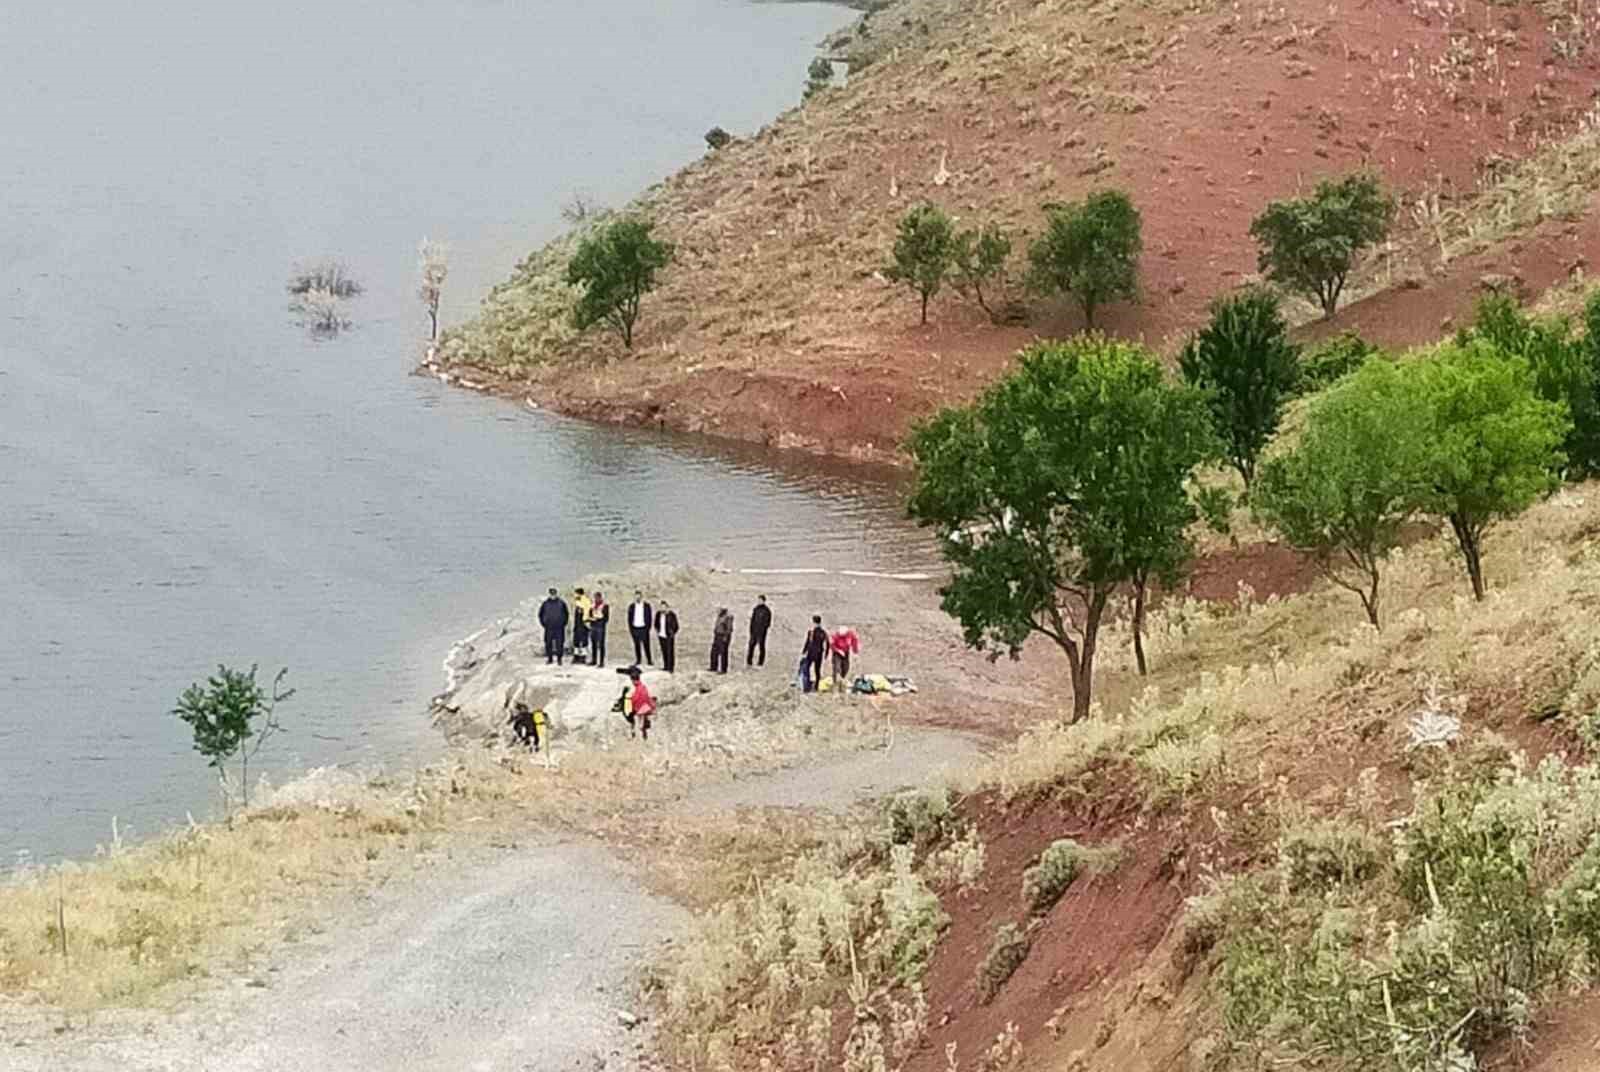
496	959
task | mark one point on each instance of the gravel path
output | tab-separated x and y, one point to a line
499	960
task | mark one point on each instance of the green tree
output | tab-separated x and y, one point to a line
231	715
1494	446
819	76
1345	490
1309	244
979	256
616	266
1089	249
922	251
1249	369
1176	437
1566	369
1061	483
1325	363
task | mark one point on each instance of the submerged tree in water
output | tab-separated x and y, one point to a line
433	264
321	312
317	293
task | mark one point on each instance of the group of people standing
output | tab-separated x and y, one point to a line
590	615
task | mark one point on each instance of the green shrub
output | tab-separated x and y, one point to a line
1244	362
1452	942
819	76
978	257
1010	949
615	266
1566	368
1326	363
918	817
1578	902
913	919
1327	854
1058	867
1309	244
1090	250
924	247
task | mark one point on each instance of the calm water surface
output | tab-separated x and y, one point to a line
186	478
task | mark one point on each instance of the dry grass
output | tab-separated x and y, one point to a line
1556	181
181	906
1531	635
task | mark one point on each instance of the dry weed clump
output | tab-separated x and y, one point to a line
1059	866
959	864
854	920
1555	181
117	929
1005	956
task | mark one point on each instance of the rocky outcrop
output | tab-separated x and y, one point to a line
486	673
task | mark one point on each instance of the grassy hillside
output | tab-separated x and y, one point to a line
1252	864
776	324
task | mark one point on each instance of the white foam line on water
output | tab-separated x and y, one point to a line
887	576
817	571
796	569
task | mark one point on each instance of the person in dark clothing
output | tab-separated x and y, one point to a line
721	641
641	616
527	725
667	634
553	619
760	622
816	646
599	618
580	625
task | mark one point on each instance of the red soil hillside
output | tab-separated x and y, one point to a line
775	326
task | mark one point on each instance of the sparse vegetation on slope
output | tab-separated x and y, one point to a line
993	109
117	930
1328	854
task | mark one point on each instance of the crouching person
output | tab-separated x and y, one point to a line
638	706
528	725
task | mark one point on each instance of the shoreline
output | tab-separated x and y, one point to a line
646	412
216	895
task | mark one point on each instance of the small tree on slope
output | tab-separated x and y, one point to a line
1566	368
616	266
1493	445
1060	484
978	257
922	251
1309	244
1249	369
1089	249
1348	486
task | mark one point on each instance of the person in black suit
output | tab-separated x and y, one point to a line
760	622
667	634
641	616
553	617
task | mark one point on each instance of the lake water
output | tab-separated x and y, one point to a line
187	478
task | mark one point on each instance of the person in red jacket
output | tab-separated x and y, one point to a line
843	644
641	705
